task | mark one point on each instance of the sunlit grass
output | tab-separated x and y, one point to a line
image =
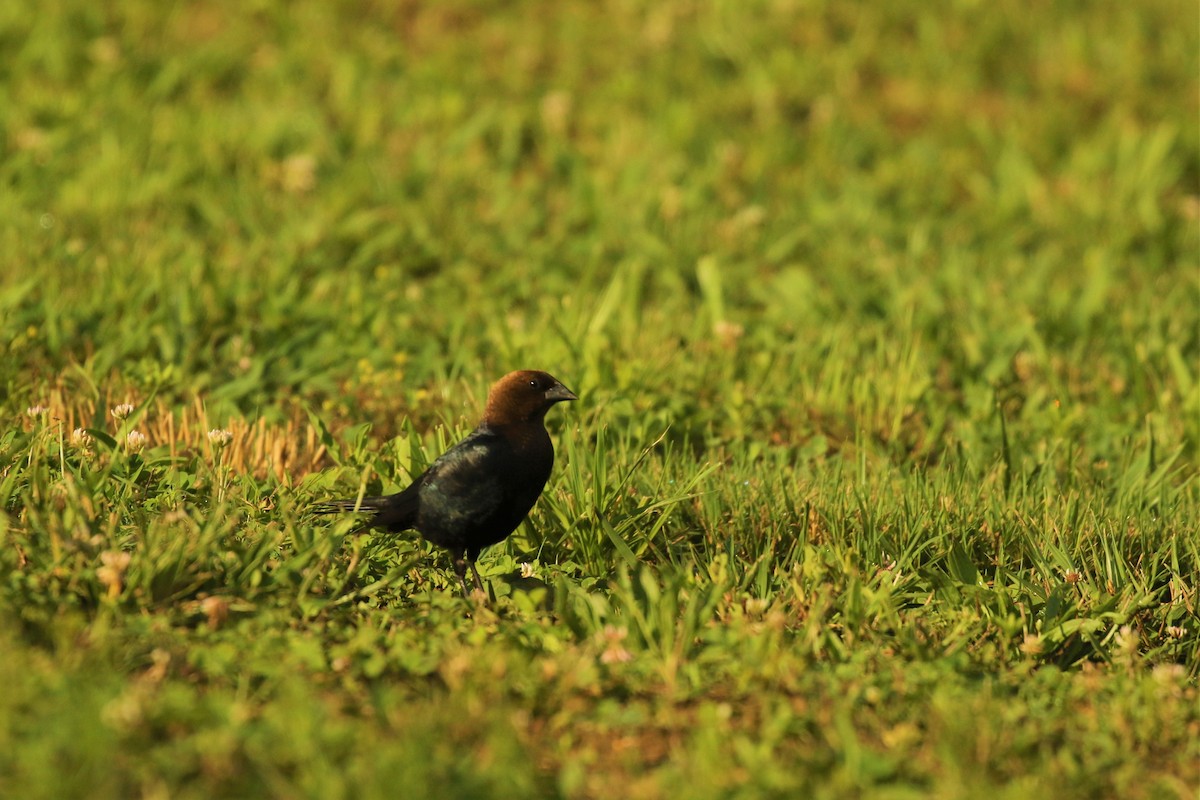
883	480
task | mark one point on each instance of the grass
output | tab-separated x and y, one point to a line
886	328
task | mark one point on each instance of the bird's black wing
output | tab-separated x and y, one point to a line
463	488
466	485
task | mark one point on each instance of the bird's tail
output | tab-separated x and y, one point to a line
364	504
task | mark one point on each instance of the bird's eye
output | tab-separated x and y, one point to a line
533	383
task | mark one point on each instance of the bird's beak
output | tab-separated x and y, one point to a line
558	393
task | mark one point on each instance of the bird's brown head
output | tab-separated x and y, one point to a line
524	396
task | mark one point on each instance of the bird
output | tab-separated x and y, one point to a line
477	492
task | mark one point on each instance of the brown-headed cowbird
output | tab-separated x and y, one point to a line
477	492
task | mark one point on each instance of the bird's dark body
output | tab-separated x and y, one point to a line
478	492
473	495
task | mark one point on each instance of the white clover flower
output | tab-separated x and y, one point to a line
526	570
117	559
111	573
81	438
219	437
728	332
1127	642
36	410
135	441
613	637
121	411
756	606
216	609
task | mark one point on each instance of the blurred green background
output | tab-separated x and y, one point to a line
886	323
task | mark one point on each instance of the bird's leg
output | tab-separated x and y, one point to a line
460	569
478	582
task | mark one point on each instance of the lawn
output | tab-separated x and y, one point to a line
884	481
